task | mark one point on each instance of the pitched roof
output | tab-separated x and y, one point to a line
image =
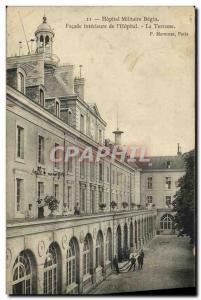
55	86
163	163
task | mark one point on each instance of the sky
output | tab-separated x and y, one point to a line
149	78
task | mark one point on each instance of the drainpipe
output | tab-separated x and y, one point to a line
64	169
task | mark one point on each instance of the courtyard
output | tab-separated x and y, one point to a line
168	263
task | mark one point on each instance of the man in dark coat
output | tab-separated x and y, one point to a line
133	262
115	264
139	260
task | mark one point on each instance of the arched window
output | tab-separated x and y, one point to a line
51	271
42	97
118	243
99	249
131	234
47	41
22	275
87	255
21	82
41	41
125	236
166	222
136	233
108	245
72	262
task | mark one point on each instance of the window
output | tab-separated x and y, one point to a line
81	123
83	198
47	40
100	171
56	156
57	109
168	201
21	82
69	197
19	194
71	261
149	199
149	183
168	164
168	183
50	272
41	41
70	165
20	142
82	169
69	118
99	249
113	177
92	171
166	222
108	174
41	142
42	98
22	275
100	136
88	125
100	195
86	257
40	190
56	191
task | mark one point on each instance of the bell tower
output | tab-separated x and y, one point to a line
44	38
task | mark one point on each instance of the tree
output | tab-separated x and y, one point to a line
184	202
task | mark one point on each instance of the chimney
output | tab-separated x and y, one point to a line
79	84
79	87
178	149
118	134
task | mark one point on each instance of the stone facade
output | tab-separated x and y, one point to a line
66	253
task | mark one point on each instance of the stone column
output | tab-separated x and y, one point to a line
40	279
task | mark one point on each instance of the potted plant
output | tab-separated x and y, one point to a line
113	204
52	203
102	206
125	204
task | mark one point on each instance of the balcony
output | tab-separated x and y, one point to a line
21	227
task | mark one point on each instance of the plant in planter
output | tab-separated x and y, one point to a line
113	204
125	204
133	204
52	203
102	206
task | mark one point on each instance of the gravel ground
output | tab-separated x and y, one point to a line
168	263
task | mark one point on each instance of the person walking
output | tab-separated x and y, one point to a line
133	262
139	260
142	253
115	264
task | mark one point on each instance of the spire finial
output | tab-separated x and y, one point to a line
117	116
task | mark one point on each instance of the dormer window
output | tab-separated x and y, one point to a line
168	164
21	82
69	117
42	98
